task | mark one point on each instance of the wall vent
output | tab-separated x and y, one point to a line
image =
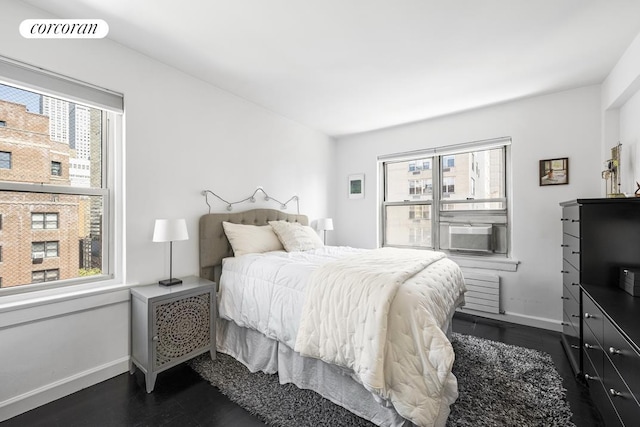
483	292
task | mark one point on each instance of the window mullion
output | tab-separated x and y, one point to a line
435	210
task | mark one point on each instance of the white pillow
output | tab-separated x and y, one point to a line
296	237
248	239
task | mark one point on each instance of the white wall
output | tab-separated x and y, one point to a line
621	113
182	136
565	124
629	129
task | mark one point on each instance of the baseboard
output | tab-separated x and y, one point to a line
43	395
517	318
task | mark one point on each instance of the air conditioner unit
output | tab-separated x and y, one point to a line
478	238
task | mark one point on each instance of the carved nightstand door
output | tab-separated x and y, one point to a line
171	324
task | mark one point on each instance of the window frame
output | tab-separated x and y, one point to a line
56	168
10	160
46	244
45	273
45	221
437	155
111	105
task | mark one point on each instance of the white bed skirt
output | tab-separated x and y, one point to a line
259	353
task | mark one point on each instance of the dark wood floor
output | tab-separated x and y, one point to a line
182	398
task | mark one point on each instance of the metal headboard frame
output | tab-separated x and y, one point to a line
251	199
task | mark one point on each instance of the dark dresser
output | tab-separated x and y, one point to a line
601	322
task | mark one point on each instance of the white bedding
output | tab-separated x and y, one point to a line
266	292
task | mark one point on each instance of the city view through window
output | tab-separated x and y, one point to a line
51	197
425	194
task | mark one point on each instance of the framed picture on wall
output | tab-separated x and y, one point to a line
554	171
356	186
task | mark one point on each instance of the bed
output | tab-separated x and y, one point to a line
385	358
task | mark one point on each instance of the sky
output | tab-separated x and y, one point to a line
20	96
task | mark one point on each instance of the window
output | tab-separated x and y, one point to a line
47	221
469	212
56	168
5	160
448	185
41	250
448	162
60	186
3	124
419	212
419	165
45	275
419	186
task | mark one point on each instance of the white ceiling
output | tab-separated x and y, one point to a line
347	66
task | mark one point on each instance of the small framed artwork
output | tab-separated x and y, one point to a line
554	171
356	186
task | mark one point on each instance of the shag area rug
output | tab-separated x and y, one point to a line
498	384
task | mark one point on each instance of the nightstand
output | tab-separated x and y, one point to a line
171	324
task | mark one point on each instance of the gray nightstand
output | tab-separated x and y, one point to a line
171	324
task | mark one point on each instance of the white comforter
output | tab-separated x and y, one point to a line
400	353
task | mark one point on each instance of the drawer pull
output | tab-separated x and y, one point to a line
575	220
575	315
575	346
614	351
589	377
625	272
564	297
615	393
589	346
564	219
564	246
575	284
155	338
589	316
575	252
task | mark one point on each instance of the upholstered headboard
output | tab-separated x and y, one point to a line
214	245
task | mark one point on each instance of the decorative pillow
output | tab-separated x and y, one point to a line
296	237
248	239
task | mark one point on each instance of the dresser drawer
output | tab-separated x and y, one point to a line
592	376
621	397
571	296
593	351
571	278
599	394
623	357
592	317
571	309
571	250
571	326
571	220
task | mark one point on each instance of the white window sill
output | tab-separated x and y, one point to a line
29	299
488	263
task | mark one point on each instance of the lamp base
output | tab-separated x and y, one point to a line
170	282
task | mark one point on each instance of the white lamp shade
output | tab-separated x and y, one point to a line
170	230
325	224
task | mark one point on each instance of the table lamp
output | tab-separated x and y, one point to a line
324	225
170	230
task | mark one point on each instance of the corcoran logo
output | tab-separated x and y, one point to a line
64	28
